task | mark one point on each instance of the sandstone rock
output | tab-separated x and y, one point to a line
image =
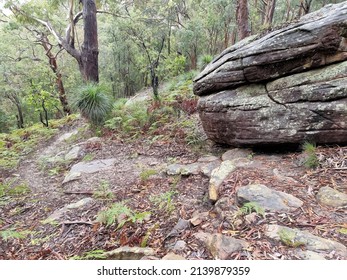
180	245
221	246
208	159
128	253
73	154
198	218
207	168
316	40
309	255
286	87
173	256
268	199
72	176
57	214
236	153
331	197
183	169
218	176
93	166
67	135
295	237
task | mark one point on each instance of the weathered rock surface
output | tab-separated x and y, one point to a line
218	176
129	253
73	154
221	246
331	197
296	237
286	87
267	198
93	166
57	214
173	257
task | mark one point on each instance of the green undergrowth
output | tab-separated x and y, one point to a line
119	213
166	119
21	142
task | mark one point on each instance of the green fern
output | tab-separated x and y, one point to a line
110	215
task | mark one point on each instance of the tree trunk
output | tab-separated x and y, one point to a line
269	12
88	62
54	66
242	19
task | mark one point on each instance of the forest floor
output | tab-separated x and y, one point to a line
151	203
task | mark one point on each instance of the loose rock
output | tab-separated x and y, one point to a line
295	238
129	253
331	197
268	199
221	246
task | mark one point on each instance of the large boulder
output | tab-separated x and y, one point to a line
286	87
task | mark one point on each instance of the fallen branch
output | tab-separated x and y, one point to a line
76	222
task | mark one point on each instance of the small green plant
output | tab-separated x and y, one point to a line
110	215
250	207
146	174
93	103
9	188
12	233
288	237
91	255
88	157
204	60
164	201
103	191
311	160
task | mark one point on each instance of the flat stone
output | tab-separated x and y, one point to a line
57	214
218	176
173	256
198	218
296	237
208	158
94	166
180	245
129	253
331	197
221	246
191	169
236	153
174	169
72	176
81	203
309	255
73	154
208	167
267	198
67	135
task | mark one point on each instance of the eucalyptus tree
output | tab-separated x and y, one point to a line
47	14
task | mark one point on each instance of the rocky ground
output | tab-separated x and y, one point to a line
170	201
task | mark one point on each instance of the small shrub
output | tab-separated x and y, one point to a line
250	207
204	60
311	160
93	103
164	201
104	191
146	174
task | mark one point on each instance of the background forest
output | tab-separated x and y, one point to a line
140	44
